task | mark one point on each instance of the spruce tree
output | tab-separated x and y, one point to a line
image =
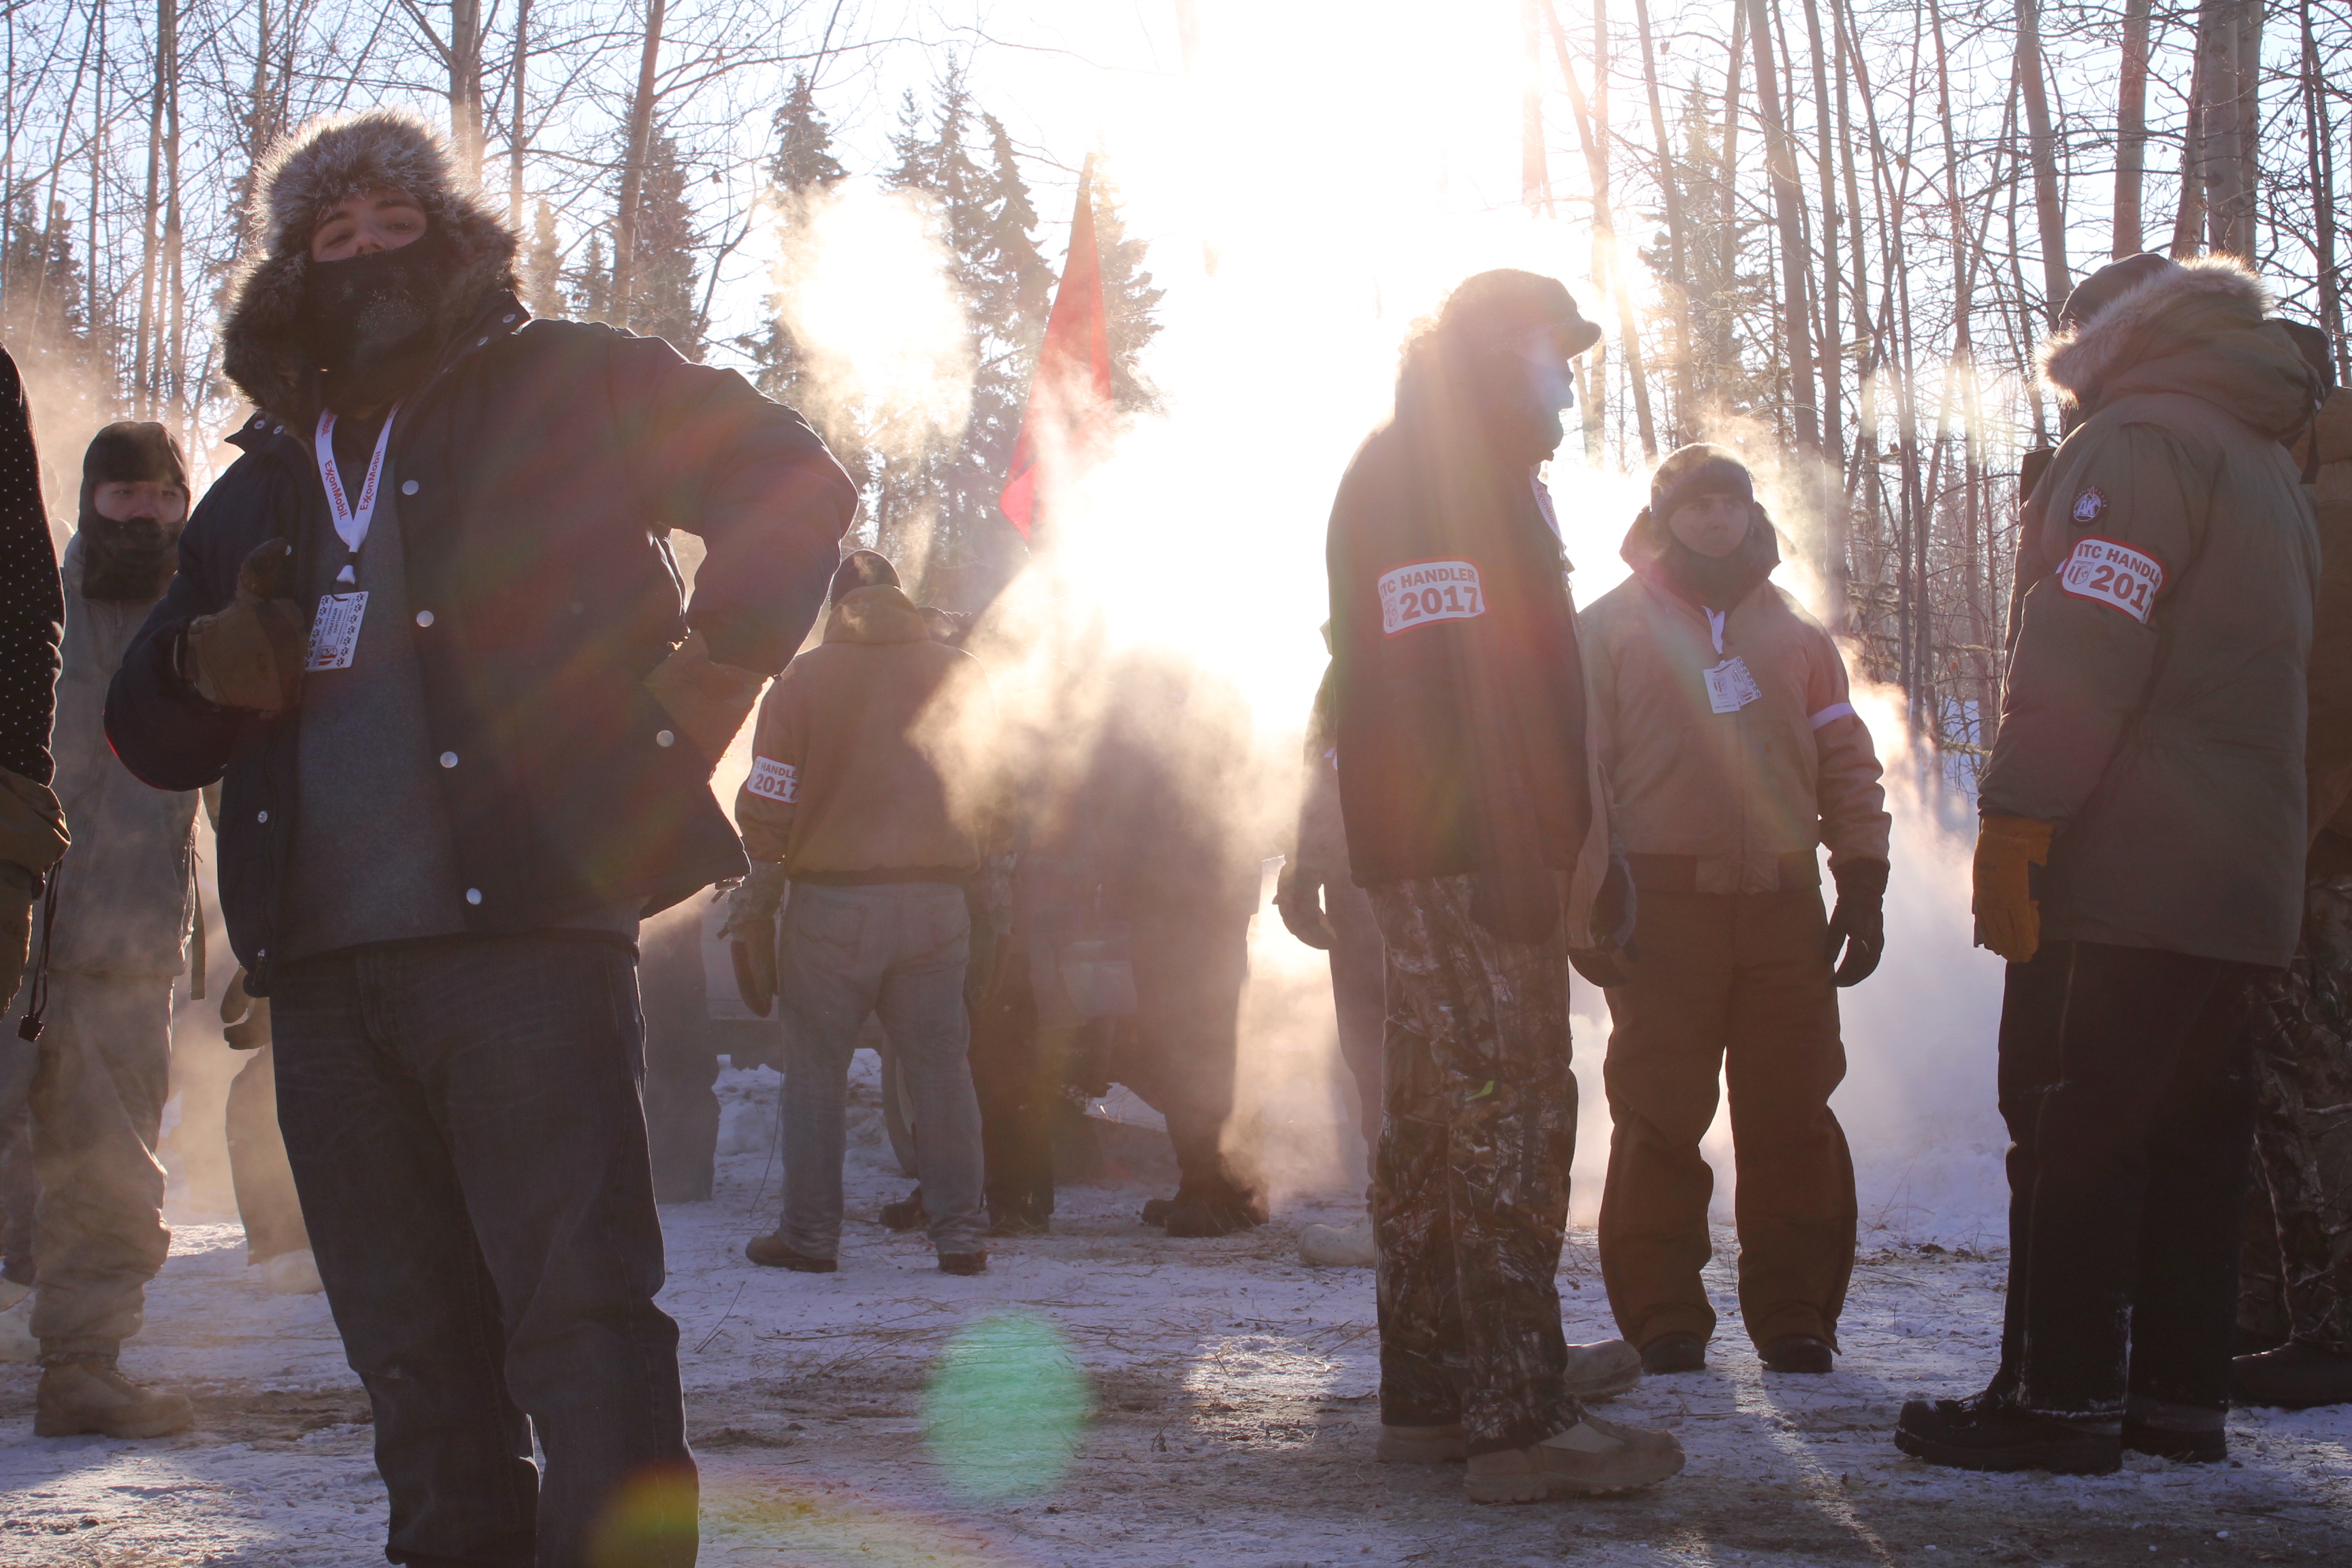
667	303
591	284
1130	300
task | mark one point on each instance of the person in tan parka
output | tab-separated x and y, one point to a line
1733	753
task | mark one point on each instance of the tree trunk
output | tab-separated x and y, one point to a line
1670	187
633	175
1833	511
1788	202
1534	177
2320	138
2131	131
466	86
145	351
2042	143
518	139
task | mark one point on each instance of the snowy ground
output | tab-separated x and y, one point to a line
1109	1396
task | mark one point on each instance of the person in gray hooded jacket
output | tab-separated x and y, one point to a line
114	936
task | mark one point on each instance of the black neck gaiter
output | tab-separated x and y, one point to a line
128	561
373	319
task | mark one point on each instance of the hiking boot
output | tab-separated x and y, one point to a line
80	1398
907	1214
1421	1445
293	1273
1156	1210
1805	1354
769	1252
2295	1376
1338	1245
1673	1352
1602	1371
963	1263
1591	1458
1992	1434
1195	1218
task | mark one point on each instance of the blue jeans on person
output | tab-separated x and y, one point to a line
898	949
463	1120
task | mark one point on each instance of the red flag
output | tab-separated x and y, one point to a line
1068	417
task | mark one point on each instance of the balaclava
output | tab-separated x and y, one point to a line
129	561
1718	582
373	321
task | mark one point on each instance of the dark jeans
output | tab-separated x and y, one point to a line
1191	961
2124	1081
463	1120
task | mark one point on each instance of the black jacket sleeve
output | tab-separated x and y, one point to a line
752	479
32	604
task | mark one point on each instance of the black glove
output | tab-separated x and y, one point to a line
1517	906
1614	908
1859	922
1299	897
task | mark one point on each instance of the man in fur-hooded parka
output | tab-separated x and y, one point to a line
2140	859
429	633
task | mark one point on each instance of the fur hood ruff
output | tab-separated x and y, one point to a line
2076	364
304	176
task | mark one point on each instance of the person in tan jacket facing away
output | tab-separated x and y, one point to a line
1732	751
866	796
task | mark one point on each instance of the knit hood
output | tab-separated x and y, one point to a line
2195	327
264	351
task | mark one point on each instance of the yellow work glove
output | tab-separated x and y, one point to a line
708	702
2008	916
250	655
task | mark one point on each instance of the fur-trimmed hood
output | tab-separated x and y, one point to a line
324	162
2196	327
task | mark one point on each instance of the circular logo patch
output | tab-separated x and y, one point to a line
2090	506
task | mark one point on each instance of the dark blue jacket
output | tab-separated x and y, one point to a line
539	470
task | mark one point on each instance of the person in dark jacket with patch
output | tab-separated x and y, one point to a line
428	632
1477	821
2140	863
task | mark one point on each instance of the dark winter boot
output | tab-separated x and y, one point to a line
1802	1353
2295	1376
1677	1352
1196	1216
907	1214
82	1398
1987	1434
963	1263
1157	1210
2189	1434
769	1252
1023	1221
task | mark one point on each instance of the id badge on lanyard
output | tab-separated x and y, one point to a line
335	628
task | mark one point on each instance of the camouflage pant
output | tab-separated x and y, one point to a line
1470	1185
2296	1279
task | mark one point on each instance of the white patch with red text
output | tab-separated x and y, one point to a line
1425	591
773	780
2113	574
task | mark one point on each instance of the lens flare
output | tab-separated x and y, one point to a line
1005	1407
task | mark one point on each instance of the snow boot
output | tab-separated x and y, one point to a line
1673	1352
80	1398
17	1341
907	1214
1591	1458
2182	1433
1805	1354
769	1252
1603	1369
1338	1245
2295	1376
1994	1435
293	1273
1195	1216
1421	1445
963	1263
1157	1210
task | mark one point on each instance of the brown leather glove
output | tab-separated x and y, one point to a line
250	655
708	702
750	934
2009	915
1299	899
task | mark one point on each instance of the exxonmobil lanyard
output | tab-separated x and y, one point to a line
351	521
